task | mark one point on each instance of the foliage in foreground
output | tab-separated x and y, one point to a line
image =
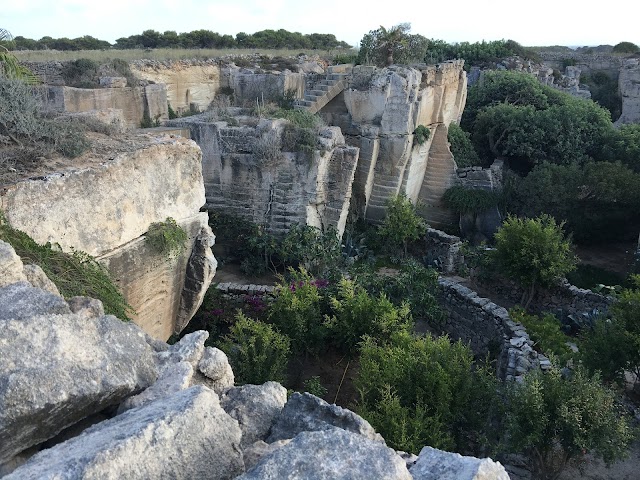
420	391
545	332
533	251
257	352
553	420
75	274
461	147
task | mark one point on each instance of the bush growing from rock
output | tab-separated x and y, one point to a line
402	224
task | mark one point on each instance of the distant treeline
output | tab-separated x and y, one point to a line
477	53
276	39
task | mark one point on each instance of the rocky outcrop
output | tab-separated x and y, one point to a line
104	205
305	412
435	464
187	435
249	173
59	367
629	86
134	102
379	111
352	456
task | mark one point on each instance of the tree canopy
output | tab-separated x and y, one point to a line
385	47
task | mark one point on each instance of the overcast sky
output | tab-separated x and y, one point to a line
538	22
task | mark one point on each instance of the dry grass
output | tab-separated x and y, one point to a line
159	54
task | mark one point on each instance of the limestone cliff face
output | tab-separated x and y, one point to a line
133	101
186	82
247	174
104	206
629	85
379	111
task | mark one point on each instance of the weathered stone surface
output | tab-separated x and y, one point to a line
214	365
629	86
253	453
172	379
255	407
132	101
189	349
112	119
433	464
107	204
332	454
36	277
185	436
201	269
86	306
11	268
305	412
21	301
81	365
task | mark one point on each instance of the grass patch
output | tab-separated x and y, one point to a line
75	274
167	238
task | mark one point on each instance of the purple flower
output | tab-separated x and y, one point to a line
217	312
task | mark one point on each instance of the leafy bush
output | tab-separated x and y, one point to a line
384	47
461	147
356	314
545	332
80	73
421	134
533	252
317	251
167	238
299	139
477	53
257	352
171	112
625	47
553	420
401	224
296	312
470	200
314	387
420	391
75	274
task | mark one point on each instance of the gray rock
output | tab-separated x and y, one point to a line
331	454
171	380
189	349
305	412
185	436
435	464
36	277
255	407
58	369
254	453
214	364
11	268
89	307
21	300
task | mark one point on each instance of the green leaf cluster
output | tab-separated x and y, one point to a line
167	238
401	224
257	352
470	200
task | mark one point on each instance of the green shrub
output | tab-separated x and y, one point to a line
470	200
533	252
287	100
402	223
171	112
75	274
420	391
625	47
356	314
317	251
299	139
81	73
167	238
314	387
545	332
257	352
554	419
296	312
421	134
462	148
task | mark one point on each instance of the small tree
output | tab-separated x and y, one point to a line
533	251
402	223
394	45
553	420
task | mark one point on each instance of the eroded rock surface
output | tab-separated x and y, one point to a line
433	464
186	436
